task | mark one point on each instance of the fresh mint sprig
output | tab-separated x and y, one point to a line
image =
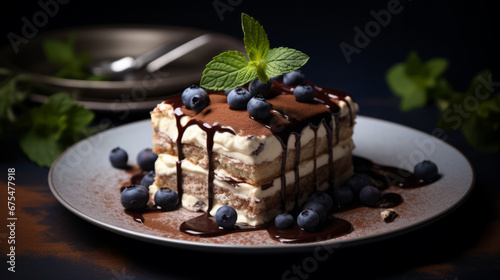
70	63
475	112
232	68
45	131
414	80
52	127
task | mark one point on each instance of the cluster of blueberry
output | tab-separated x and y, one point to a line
358	187
253	99
145	159
314	213
136	197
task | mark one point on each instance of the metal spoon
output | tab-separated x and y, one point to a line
153	59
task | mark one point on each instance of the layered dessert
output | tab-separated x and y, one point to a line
260	167
247	149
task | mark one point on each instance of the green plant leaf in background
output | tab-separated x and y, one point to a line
52	127
414	80
11	100
475	112
70	64
482	128
481	124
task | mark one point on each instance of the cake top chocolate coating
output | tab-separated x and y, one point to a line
287	114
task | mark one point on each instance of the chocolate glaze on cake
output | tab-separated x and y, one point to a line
288	117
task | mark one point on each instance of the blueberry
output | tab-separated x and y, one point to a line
188	94
166	198
293	78
259	108
199	101
238	98
258	87
322	198
148	179
426	170
134	197
343	195
308	220
369	195
146	159
358	181
284	220
318	208
304	93
118	157
226	216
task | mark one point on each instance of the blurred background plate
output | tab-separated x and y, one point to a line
142	91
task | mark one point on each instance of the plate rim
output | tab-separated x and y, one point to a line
278	248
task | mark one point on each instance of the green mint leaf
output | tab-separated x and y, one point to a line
413	94
223	72
425	73
10	97
441	93
245	75
283	60
481	82
449	118
78	118
231	69
69	63
52	127
415	100
59	53
254	37
416	82
41	149
262	73
414	65
436	66
482	128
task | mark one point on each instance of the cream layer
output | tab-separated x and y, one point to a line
166	165
249	150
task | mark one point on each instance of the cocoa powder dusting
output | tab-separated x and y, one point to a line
45	228
243	125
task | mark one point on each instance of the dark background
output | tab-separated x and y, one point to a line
465	32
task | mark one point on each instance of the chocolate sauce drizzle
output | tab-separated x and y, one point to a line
204	225
332	124
322	96
385	176
210	130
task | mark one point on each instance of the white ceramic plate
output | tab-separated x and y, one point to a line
83	180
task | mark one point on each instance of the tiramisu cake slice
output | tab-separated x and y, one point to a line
248	149
216	155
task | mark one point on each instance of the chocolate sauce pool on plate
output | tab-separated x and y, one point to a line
204	225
